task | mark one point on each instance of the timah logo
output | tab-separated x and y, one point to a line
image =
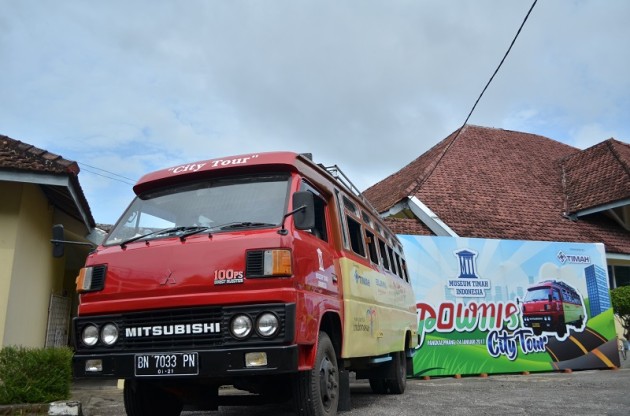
573	259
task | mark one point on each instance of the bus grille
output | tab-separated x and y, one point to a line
184	328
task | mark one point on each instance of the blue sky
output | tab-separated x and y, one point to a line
131	87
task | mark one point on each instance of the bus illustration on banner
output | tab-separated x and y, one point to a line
553	306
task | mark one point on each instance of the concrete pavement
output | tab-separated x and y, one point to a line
602	392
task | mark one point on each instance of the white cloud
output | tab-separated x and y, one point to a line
590	134
367	85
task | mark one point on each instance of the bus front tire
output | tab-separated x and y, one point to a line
144	399
316	392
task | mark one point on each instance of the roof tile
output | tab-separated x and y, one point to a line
494	183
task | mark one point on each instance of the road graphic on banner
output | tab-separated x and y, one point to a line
581	348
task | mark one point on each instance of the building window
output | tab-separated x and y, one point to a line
619	276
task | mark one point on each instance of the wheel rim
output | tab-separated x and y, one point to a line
327	382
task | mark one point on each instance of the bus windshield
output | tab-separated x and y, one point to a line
212	205
541	293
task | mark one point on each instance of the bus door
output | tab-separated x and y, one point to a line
316	252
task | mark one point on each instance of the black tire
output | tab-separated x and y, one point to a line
561	329
144	399
378	385
316	392
398	384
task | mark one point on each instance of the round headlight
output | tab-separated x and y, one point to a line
241	326
109	334
89	336
267	325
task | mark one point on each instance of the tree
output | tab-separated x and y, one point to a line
620	299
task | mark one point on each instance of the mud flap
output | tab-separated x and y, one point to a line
345	402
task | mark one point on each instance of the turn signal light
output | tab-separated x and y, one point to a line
277	263
91	279
84	279
268	263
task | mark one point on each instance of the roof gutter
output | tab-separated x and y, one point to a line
618	257
50	180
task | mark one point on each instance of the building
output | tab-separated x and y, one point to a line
597	289
39	189
492	183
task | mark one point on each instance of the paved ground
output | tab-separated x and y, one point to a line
605	392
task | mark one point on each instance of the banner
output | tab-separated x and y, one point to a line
501	306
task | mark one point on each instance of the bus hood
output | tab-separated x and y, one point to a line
162	273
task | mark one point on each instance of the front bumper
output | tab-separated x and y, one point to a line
543	322
216	363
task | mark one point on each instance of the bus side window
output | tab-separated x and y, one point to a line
356	236
371	242
390	252
400	271
404	270
556	294
320	219
383	250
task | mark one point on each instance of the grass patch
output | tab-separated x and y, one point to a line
34	375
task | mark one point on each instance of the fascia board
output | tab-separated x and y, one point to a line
429	218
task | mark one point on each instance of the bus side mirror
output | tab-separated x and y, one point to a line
58	240
304	218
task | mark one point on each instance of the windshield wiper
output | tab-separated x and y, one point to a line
158	232
230	225
192	231
245	224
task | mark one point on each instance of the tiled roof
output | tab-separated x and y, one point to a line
16	156
597	176
493	183
407	226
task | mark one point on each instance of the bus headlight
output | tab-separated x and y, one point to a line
109	334
89	336
241	326
267	325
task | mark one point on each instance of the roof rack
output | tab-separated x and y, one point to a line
341	177
561	284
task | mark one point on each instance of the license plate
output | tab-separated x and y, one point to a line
171	364
536	325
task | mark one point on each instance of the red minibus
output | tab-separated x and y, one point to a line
551	305
266	272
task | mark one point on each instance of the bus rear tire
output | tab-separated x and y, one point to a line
398	384
394	385
316	392
378	385
561	330
144	399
